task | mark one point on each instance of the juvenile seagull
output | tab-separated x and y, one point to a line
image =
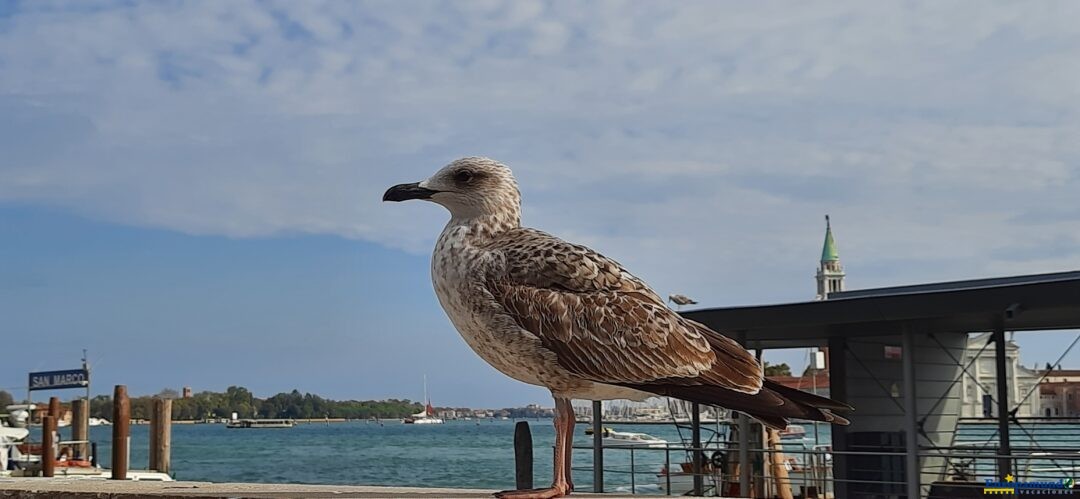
559	315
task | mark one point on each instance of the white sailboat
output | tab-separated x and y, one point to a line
426	416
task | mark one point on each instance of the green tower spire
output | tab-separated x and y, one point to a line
829	253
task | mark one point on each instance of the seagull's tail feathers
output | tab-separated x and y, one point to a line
774	405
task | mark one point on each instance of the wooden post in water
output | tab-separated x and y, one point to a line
523	456
121	432
779	470
54	407
161	435
48	446
80	426
153	437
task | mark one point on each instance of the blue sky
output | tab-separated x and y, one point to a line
191	189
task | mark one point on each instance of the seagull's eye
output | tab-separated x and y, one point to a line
463	177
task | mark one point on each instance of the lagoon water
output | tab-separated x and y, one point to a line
455	454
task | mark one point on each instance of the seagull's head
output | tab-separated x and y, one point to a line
469	187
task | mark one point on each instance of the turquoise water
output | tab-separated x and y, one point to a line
455	454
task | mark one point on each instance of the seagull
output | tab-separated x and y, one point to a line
681	300
559	315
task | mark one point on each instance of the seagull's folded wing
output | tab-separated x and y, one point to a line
606	325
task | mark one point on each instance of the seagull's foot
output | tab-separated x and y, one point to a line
556	490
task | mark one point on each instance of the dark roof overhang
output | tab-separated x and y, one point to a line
1020	303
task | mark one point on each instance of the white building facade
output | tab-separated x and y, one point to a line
979	390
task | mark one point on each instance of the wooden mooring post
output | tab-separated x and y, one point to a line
523	456
121	432
48	446
161	435
153	437
778	468
49	422
80	426
54	407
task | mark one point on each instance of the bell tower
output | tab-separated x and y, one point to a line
830	274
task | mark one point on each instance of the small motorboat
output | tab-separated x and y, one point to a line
614	438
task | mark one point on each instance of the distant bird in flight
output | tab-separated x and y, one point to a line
559	315
681	300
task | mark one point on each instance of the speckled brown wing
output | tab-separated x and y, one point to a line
603	323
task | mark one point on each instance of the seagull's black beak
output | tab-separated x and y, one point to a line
405	192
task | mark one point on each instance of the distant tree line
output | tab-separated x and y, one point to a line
777	369
293	405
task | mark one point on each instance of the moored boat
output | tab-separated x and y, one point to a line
426	416
612	438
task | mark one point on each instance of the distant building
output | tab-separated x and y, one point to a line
1059	393
187	392
830	273
830	279
977	393
979	390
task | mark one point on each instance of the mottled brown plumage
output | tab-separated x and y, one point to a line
560	315
603	323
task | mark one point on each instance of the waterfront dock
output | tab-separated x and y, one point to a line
125	489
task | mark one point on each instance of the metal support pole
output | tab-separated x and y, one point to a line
695	442
911	416
745	469
667	469
1004	449
838	391
598	446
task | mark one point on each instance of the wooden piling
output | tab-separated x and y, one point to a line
48	446
153	437
779	470
161	435
80	426
523	456
54	407
121	432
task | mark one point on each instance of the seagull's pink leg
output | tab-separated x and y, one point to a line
561	486
568	446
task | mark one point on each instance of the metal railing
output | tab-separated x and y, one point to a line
945	470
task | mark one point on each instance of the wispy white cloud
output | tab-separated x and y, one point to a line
698	142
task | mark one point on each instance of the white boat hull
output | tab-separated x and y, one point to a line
425	421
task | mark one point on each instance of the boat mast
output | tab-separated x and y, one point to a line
427	402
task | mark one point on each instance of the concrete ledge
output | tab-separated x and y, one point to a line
74	488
